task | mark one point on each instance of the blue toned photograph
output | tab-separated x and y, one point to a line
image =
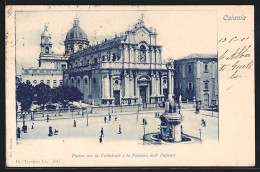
141	77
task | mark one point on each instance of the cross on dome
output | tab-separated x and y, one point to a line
76	21
142	16
45	27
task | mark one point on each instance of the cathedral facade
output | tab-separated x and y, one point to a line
126	69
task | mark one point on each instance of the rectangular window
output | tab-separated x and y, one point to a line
178	69
54	83
206	68
63	66
189	85
42	81
48	82
35	82
189	68
206	85
60	82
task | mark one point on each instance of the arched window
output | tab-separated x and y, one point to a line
78	80
94	80
86	80
72	80
80	47
114	57
47	50
142	53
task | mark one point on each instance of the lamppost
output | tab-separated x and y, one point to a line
87	117
137	113
23	121
144	131
200	134
179	106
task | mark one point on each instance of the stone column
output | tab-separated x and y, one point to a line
126	84
131	84
135	78
153	83
172	83
90	85
111	86
103	86
161	84
107	86
169	82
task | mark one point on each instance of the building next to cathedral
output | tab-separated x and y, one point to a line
51	65
196	77
127	69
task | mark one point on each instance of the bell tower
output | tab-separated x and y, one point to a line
46	44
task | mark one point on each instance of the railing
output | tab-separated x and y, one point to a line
66	113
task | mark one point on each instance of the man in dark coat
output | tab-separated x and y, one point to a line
18	132
100	139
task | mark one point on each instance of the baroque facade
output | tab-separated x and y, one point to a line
127	69
51	65
196	77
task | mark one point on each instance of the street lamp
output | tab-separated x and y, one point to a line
137	113
23	121
200	133
87	116
144	131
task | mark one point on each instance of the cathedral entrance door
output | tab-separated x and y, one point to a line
117	97
206	100
165	93
143	93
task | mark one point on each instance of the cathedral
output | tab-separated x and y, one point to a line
124	70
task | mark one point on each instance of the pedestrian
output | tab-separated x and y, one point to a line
102	132
50	131
32	125
18	132
105	119
158	115
116	118
109	116
56	132
74	123
47	118
120	129
155	115
143	121
25	129
204	123
100	139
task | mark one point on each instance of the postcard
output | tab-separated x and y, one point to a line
130	86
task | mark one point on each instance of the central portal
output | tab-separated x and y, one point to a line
117	97
143	93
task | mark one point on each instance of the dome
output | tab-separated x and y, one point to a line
76	33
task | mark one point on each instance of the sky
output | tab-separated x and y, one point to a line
180	33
